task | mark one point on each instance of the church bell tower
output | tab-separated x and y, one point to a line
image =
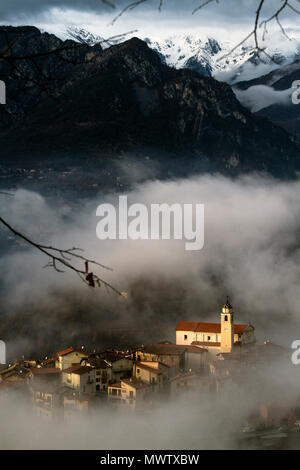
227	328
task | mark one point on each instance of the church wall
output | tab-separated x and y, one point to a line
185	337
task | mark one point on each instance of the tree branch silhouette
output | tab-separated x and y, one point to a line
259	22
63	258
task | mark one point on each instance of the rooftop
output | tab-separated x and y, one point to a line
64	352
206	343
115	385
50	360
109	356
172	349
78	369
135	383
206	327
185	377
154	370
44	370
98	363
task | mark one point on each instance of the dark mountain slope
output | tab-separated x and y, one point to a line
124	98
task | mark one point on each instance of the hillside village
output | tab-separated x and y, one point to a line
205	359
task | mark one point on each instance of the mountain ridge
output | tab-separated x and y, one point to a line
204	53
123	98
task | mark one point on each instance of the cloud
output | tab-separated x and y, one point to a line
251	252
175	15
248	71
18	7
180	421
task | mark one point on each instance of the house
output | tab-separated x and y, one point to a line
190	382
179	358
14	373
49	362
152	372
258	354
47	399
103	372
80	378
66	358
14	378
133	392
216	337
45	375
165	353
74	402
121	366
44	385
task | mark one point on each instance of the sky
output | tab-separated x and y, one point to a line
229	19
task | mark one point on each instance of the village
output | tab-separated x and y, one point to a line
205	358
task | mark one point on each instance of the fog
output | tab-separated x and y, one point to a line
251	253
261	96
192	420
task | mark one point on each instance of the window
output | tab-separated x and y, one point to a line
208	338
226	318
185	336
138	371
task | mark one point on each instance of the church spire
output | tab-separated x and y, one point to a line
227	307
227	327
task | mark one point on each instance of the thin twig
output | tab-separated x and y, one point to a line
89	278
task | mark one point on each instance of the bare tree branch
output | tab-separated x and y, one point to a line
65	260
258	23
129	7
203	5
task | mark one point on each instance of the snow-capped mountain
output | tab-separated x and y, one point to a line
121	109
86	37
83	36
208	55
201	54
217	58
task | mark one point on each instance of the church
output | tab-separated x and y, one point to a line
217	338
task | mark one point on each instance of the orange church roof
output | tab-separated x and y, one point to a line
206	327
70	350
